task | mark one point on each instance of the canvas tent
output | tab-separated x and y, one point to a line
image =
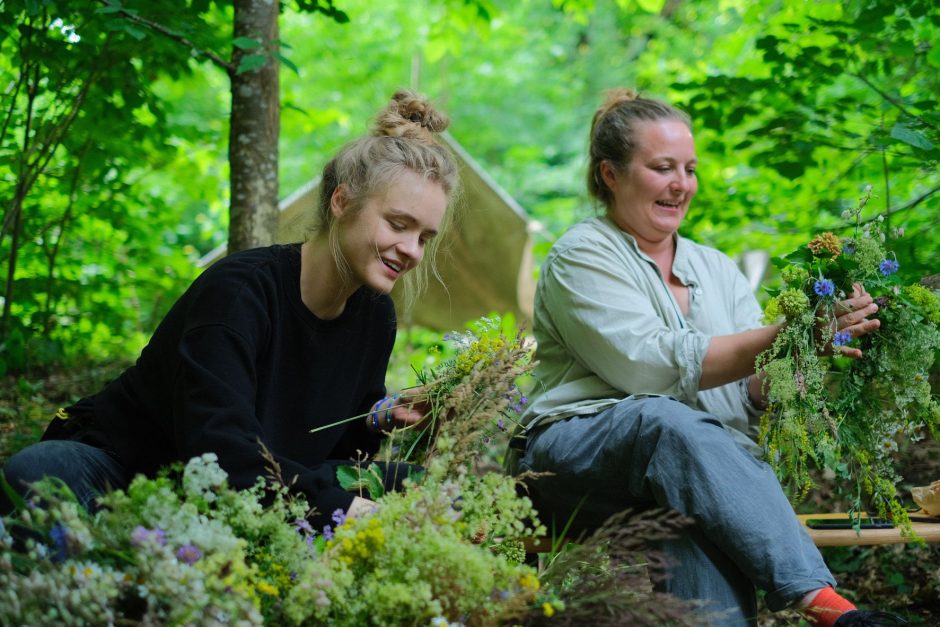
485	261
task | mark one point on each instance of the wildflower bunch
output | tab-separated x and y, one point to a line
185	548
414	561
848	416
472	397
156	553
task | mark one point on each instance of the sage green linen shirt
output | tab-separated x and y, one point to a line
608	327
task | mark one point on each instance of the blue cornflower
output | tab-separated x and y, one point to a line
842	338
888	267
189	554
848	248
60	542
824	287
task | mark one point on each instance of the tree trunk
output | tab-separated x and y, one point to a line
254	129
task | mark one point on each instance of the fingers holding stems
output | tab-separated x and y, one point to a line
852	321
398	411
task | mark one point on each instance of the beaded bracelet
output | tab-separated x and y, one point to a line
388	410
386	414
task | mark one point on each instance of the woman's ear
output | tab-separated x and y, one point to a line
338	202
608	174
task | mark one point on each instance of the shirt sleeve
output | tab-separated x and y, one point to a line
609	324
214	402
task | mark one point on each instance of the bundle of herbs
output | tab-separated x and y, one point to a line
847	416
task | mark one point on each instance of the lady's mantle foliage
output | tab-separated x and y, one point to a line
848	416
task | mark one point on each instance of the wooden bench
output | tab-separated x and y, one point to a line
929	531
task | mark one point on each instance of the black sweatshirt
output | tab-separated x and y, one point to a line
240	358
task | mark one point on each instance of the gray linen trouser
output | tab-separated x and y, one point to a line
655	451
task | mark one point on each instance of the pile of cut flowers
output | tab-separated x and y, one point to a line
185	548
847	417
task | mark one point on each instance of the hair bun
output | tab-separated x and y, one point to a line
410	115
615	97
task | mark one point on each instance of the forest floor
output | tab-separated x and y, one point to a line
901	578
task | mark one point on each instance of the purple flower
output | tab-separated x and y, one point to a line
824	287
339	517
848	247
501	425
188	554
888	267
303	526
328	532
842	338
141	536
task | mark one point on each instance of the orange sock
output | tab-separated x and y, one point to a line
826	608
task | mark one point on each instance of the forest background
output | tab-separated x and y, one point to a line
116	119
114	138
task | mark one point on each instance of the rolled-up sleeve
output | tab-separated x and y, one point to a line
605	317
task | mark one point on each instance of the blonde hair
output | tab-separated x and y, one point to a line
401	140
613	134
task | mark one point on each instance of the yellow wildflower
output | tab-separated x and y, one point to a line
265	588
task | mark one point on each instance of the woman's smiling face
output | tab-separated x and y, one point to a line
387	236
653	192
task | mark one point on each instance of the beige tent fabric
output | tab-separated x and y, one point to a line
485	261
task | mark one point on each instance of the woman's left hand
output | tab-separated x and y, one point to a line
411	408
852	317
404	410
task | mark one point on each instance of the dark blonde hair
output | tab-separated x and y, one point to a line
402	140
613	134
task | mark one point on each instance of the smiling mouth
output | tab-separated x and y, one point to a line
668	205
394	265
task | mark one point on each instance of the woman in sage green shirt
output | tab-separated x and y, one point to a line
646	389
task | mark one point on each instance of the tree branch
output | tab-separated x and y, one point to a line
177	37
894	101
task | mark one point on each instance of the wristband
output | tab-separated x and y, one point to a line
375	413
388	410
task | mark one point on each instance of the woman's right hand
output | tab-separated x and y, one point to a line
361	507
852	317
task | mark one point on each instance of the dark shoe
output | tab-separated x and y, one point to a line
863	618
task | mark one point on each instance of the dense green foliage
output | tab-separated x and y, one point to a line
796	106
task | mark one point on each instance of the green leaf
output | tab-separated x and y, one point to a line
136	33
19	503
246	43
354	479
251	62
287	62
911	137
651	6
789	169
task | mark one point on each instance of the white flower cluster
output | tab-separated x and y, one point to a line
203	477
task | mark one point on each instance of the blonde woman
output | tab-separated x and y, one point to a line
270	343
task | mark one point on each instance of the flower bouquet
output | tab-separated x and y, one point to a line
845	416
472	398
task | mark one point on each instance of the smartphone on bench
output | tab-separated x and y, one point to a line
846	523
